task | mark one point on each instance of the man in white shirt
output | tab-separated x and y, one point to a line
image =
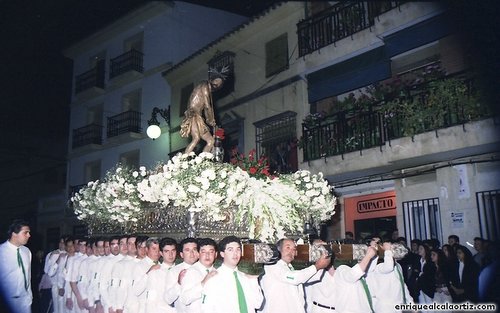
197	275
320	294
122	279
50	268
78	272
386	283
84	278
351	291
15	268
189	253
158	281
58	272
231	291
118	250
318	290
63	276
107	282
93	272
150	280
73	297
282	285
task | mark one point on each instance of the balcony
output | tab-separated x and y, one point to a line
90	83
338	22
390	111
130	63
87	135
126	123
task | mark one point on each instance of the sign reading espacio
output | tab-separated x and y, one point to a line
376	204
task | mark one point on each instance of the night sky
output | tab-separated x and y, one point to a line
36	78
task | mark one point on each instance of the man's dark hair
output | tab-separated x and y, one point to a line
16	227
69	239
226	240
207	242
84	239
186	241
454	237
116	237
416	241
140	239
167	241
97	239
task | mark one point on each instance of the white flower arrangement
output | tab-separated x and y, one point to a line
271	207
115	198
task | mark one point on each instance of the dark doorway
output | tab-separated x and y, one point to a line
381	227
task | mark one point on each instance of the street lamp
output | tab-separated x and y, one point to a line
154	130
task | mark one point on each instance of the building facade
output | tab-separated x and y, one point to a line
378	96
116	87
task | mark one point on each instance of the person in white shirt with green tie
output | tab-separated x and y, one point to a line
386	283
15	268
230	290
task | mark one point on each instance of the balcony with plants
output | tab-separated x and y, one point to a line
338	22
403	106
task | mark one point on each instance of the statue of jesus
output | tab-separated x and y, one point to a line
200	103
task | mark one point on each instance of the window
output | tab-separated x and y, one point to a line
132	101
134	43
488	207
234	131
422	219
92	171
95	115
97	59
185	94
130	159
275	138
277	55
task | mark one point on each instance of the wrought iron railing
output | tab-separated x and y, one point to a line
126	122
129	61
416	110
91	78
90	134
337	22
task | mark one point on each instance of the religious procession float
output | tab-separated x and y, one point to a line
201	196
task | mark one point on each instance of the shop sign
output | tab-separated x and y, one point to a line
376	204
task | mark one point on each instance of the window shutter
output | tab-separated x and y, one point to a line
277	55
